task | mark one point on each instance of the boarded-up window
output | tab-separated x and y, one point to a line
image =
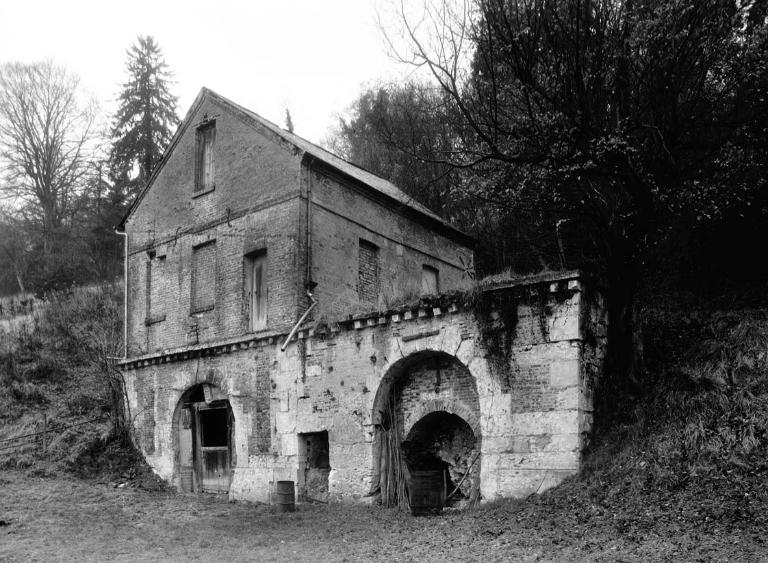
255	279
368	272
203	277
204	161
155	289
430	280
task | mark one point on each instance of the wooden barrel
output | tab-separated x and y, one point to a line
285	496
427	491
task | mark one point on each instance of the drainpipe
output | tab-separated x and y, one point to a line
301	320
125	290
308	276
310	285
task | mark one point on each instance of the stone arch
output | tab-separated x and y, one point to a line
425	385
438	405
203	399
399	368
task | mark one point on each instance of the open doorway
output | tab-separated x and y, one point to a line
440	452
205	431
315	467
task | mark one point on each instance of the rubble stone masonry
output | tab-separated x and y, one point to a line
529	396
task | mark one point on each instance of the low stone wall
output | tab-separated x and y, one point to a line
531	348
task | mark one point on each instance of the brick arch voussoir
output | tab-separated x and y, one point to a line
439	405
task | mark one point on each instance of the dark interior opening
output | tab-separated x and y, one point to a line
317	467
196	395
213	427
316	450
443	441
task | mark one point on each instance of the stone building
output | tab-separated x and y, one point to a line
288	311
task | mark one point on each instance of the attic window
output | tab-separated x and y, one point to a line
204	161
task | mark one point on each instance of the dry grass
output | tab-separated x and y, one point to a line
66	520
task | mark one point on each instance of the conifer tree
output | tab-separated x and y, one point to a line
144	122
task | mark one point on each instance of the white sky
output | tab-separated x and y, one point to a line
312	56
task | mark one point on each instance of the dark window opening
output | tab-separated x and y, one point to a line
316	450
214	430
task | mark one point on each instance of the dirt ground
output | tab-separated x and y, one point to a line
65	519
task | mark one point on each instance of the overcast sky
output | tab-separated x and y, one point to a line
311	56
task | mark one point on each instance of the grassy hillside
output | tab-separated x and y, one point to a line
56	372
687	465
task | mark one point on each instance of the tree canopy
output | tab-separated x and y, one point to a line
145	119
592	131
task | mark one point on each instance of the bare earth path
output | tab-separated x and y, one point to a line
43	519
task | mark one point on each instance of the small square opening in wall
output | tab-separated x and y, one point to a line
314	466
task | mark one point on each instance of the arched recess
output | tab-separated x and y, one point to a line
203	436
426	408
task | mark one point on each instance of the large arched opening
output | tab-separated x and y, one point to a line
203	428
427	445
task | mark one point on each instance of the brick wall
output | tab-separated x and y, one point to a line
439	379
341	217
259	204
255	205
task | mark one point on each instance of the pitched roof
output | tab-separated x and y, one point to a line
376	183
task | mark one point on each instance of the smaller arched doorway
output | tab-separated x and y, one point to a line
427	442
205	429
444	444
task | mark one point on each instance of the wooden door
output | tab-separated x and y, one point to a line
213	449
186	450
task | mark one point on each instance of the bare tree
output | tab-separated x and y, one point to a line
45	127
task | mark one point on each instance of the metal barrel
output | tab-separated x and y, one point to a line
285	496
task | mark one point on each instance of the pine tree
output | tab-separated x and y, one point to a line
143	124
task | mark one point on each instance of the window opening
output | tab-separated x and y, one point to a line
204	161
203	290
368	272
256	290
430	280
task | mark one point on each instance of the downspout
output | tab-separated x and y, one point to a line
125	290
310	285
301	320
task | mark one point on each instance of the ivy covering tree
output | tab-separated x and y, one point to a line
144	123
